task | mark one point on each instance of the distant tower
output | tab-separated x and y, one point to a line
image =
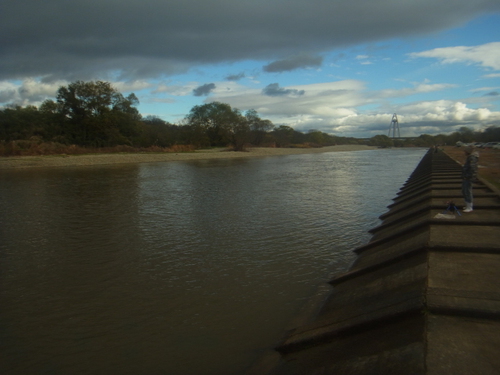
394	126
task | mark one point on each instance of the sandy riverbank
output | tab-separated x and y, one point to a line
126	158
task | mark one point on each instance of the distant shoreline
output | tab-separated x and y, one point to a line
22	162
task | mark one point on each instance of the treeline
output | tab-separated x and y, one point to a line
94	116
464	134
88	116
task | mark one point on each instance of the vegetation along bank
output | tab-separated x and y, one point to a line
93	117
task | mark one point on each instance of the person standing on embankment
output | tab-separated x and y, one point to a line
469	174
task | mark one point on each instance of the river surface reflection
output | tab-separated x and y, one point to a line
180	267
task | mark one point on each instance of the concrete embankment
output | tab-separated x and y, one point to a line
423	296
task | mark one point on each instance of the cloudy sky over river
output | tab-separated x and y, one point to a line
343	66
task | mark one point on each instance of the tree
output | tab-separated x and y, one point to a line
18	123
491	134
97	114
466	134
425	140
217	124
259	128
316	137
283	135
157	132
381	141
240	134
53	122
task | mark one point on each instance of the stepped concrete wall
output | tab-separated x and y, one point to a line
423	296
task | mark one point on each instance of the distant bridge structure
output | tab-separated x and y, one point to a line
394	127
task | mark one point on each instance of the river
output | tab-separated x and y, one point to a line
179	268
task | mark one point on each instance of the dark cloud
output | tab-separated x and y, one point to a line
204	89
60	39
235	77
492	93
293	63
274	89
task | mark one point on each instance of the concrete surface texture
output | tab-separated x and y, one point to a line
423	296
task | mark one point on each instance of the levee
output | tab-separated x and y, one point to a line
423	296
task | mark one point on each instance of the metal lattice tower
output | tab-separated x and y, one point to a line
394	127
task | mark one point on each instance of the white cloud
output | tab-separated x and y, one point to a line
31	91
28	92
447	113
418	88
484	89
493	75
176	89
131	86
486	55
319	98
334	107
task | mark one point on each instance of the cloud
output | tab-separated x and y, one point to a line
320	99
134	39
29	92
427	117
274	89
204	90
33	92
235	77
293	63
487	88
493	75
175	89
492	93
486	55
418	88
131	85
348	108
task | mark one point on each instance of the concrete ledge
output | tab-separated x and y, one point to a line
423	296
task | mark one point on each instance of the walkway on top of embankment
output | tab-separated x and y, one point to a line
423	296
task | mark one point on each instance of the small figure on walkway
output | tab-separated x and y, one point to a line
469	174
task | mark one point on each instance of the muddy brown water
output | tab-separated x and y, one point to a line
180	267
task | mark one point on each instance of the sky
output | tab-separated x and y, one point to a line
343	67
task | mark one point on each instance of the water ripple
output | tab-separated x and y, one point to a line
133	269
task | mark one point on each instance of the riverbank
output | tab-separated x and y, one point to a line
127	158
